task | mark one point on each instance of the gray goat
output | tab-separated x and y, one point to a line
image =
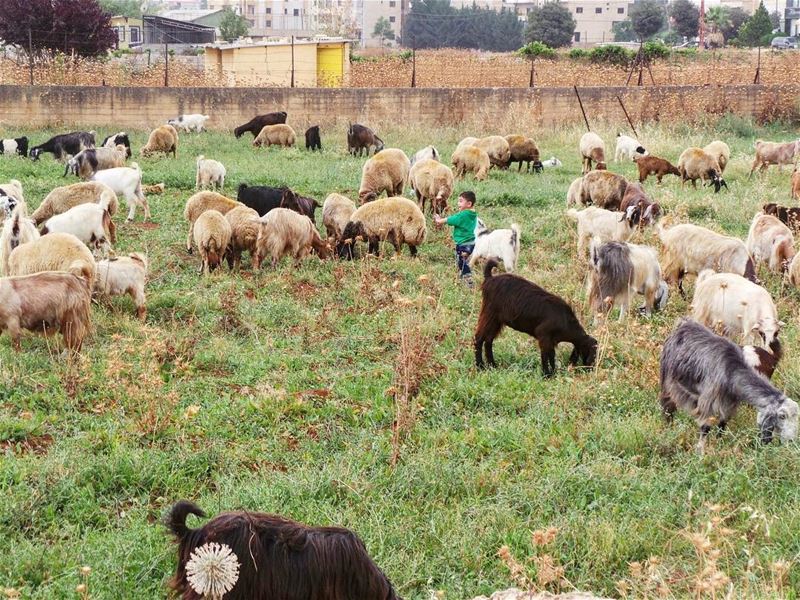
707	375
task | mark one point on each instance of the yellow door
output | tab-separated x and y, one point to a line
330	65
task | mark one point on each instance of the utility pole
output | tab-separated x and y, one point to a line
702	33
414	66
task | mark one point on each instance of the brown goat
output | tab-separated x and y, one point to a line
787	216
795	184
636	196
280	558
522	305
653	165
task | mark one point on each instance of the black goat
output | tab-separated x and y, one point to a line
263	198
14	146
522	305
300	204
313	141
256	124
280	558
65	144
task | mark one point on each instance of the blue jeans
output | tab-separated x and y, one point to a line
463	252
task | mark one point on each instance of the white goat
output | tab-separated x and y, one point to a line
127	182
606	225
123	275
210	172
500	244
628	148
194	122
90	223
770	241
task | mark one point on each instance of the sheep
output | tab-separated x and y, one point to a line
551	163
795	183
387	171
124	275
209	172
54	252
605	225
285	232
200	202
707	376
793	273
721	152
472	159
361	138
212	234
127	182
575	192
396	220
90	223
603	189
17	146
300	204
87	162
65	144
162	139
313	141
690	249
61	199
10	195
428	152
619	272
44	303
256	124
279	135
774	153
523	149
524	306
278	558
770	241
636	196
118	139
244	233
336	212
497	244
17	229
497	148
737	306
628	148
592	148
696	163
187	123
432	181
653	165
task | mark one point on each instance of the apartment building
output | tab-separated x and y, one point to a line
268	18
594	18
371	11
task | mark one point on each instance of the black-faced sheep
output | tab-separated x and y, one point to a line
771	242
45	303
361	138
431	181
60	146
61	199
628	148
256	124
313	141
277	558
653	165
209	172
278	135
17	146
212	234
284	232
592	148
17	229
387	171
54	252
396	220
244	233
124	275
162	139
707	376
470	159
336	212
696	163
510	300
199	203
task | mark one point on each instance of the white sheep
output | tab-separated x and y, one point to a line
770	241
199	203
212	234
472	159
336	211
54	252
90	223
431	181
127	182
628	148
592	148
720	151
124	275
739	308
499	244
17	229
210	172
194	122
605	225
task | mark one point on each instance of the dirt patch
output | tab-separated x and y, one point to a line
32	444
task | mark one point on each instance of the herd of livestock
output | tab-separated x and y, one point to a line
54	259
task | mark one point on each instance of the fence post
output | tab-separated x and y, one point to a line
533	73
292	61
413	67
166	64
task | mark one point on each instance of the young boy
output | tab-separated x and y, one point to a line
463	224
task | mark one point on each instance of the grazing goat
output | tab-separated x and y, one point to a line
15	146
285	232
524	306
60	146
737	307
45	303
90	223
210	172
770	241
707	376
696	163
313	141
605	225
87	162
278	558
17	229
261	198
774	153
300	204
195	122
10	196
497	244
126	182
592	148
124	275
636	196
256	124
361	138
118	139
628	148
653	165
787	216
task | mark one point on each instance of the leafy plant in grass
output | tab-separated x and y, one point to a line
611	55
577	53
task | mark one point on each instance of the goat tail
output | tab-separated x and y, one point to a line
487	268
135	165
176	519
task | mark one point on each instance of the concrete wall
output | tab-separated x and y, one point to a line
496	109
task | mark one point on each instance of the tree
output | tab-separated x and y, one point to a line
232	26
648	17
775	19
736	18
685	17
383	29
125	8
717	18
79	26
427	23
623	31
552	24
757	29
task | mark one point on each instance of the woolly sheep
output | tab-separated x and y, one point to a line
497	148
396	220
739	308
279	135
209	172
498	244
721	152
126	182
54	252
575	192
244	233
523	150
605	225
212	234
432	181
162	139
124	275
90	223
285	232
336	212
472	159
17	229
690	249
387	171
466	142
603	189
427	152
61	199
695	163
592	148
200	202
628	148
770	241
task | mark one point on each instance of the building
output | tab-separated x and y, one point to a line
596	18
129	31
272	18
209	18
372	10
160	31
304	63
792	17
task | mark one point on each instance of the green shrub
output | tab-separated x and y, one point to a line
405	55
738	125
655	50
612	55
537	50
577	53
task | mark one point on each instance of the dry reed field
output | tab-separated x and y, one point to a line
345	393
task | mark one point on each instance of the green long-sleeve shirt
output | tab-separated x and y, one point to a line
463	223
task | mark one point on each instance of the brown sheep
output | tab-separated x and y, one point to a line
696	163
592	148
432	181
472	159
244	233
212	234
278	135
387	171
201	202
396	220
162	139
284	232
523	149
653	165
604	189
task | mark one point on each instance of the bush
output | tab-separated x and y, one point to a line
537	50
743	127
655	50
578	53
612	55
405	55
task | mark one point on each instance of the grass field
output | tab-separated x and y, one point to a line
278	390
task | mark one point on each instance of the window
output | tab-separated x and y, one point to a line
579	9
269	24
392	3
391	19
135	35
620	11
269	10
251	10
577	36
286	11
598	10
120	33
296	12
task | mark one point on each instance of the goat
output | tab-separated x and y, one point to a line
361	138
498	244
653	165
605	225
787	216
313	141
118	139
774	153
256	124
628	148
14	146
770	241
60	146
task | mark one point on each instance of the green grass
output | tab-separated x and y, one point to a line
291	371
